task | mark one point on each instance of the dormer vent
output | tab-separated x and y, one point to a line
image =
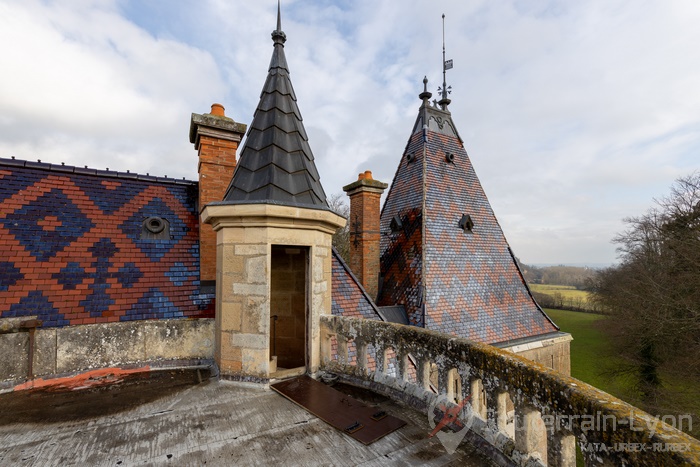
396	225
466	223
449	157
410	157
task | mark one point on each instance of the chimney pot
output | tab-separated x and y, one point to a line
218	110
368	175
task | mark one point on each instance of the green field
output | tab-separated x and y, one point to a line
567	292
592	361
591	356
563	296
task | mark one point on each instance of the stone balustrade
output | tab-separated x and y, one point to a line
517	410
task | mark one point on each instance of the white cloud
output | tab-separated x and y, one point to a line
84	85
575	114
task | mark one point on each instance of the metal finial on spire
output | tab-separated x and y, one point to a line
446	65
278	36
425	95
279	16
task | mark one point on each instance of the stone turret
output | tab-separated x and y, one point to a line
274	230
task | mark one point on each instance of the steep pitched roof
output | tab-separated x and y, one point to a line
444	255
348	297
276	164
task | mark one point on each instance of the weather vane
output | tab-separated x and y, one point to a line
444	90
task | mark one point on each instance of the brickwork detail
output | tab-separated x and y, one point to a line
217	161
216	137
365	195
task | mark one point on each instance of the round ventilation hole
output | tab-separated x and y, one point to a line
154	224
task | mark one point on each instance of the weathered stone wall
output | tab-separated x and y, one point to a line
554	353
60	351
552	411
245	236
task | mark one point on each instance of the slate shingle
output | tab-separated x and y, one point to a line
276	164
450	279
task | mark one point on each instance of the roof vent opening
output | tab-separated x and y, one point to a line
466	223
155	228
450	158
410	157
396	225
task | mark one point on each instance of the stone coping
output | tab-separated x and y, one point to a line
577	407
270	215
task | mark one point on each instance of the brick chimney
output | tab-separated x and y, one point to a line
216	138
363	223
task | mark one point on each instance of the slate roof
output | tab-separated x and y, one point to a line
450	279
73	250
276	164
348	297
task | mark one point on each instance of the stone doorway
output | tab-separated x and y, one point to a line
288	308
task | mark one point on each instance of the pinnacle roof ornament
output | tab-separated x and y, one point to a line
425	95
278	36
276	164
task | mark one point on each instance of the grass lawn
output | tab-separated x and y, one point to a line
591	359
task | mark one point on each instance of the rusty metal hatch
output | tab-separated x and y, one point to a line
359	421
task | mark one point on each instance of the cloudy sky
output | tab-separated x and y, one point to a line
575	114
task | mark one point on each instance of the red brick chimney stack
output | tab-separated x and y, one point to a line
216	137
363	223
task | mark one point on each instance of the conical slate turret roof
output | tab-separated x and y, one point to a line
443	253
276	164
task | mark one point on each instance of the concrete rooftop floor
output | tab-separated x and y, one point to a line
170	417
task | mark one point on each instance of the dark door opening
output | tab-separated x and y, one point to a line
288	306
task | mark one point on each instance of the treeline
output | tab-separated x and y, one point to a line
577	277
652	297
560	301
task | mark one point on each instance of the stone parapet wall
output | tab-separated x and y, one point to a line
67	350
553	412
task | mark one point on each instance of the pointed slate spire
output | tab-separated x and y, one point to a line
443	254
276	164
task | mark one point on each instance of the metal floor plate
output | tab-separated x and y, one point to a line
359	421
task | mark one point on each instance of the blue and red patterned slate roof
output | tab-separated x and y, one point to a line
450	278
347	294
73	250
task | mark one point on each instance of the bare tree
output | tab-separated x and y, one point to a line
341	239
653	295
